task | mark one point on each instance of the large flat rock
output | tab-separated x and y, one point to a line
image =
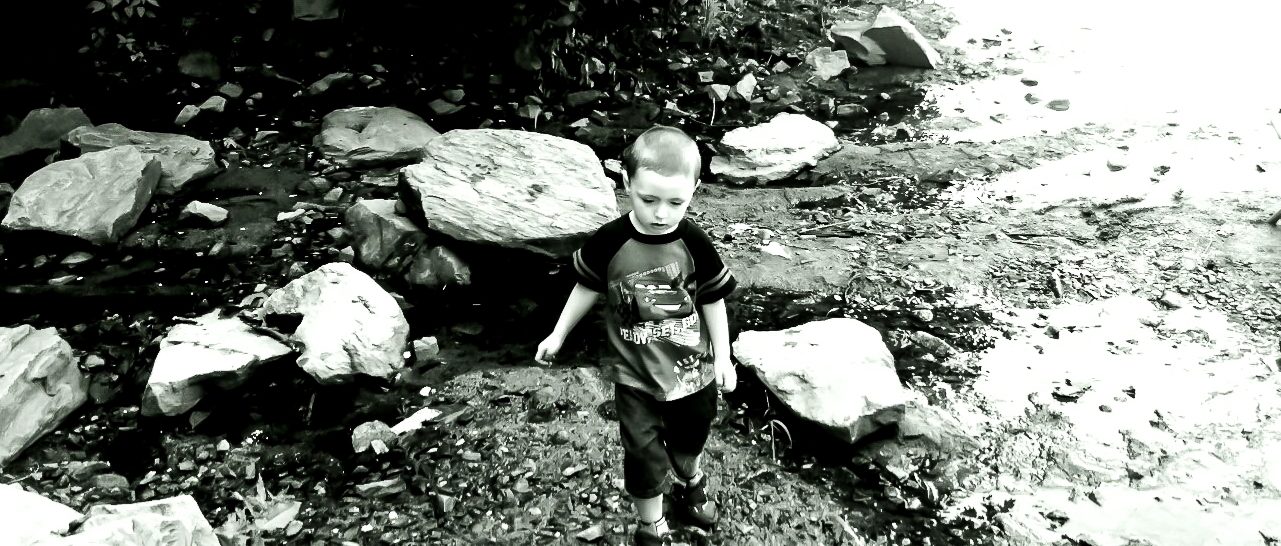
182	158
97	197
175	521
773	150
513	189
42	129
40	385
211	352
835	372
26	517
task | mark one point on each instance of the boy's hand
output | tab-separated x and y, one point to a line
548	349
726	377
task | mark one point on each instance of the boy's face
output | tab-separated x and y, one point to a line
659	201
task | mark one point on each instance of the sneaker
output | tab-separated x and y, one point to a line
646	535
690	502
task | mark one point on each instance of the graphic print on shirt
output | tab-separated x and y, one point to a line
655	306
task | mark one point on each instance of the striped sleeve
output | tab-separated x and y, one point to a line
591	262
715	280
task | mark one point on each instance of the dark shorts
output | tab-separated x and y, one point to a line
658	436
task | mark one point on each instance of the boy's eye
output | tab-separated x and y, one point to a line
647	200
677	203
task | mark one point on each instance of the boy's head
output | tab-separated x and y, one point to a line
661	172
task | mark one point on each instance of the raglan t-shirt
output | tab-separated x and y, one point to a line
654	285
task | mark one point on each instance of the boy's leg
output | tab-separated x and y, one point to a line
644	458
687	422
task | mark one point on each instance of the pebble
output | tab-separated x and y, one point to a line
471	456
561	437
1031	99
1059	105
77	258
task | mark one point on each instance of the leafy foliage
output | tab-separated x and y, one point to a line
115	24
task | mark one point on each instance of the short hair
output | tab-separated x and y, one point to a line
663	150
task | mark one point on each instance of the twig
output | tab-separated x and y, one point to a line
1073	238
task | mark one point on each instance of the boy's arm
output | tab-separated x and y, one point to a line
580	301
718	329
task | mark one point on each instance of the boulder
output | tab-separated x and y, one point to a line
213	215
209	352
438	267
366	434
182	158
426	348
836	372
380	234
27	517
367	135
40	385
889	39
774	150
827	63
42	129
175	521
97	197
513	189
350	325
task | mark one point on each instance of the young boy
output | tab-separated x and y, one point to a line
664	286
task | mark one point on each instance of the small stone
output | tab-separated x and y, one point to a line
223	445
366	434
1059	105
780	67
582	98
1031	99
187	466
77	258
111	482
332	196
215	103
471	456
529	111
64	279
560	438
339	235
745	87
706	76
296	270
426	348
591	534
444	504
231	90
442	107
293	528
347	254
454	95
288	216
381	489
1029	82
1117	164
571	470
720	64
719	91
187	114
204	213
847	110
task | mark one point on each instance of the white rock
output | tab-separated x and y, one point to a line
827	63
367	433
437	267
416	421
211	214
175	521
215	103
368	135
350	325
213	352
188	113
182	158
774	150
835	372
40	385
426	348
41	129
745	87
97	197
26	517
902	43
849	35
513	189
719	91
379	233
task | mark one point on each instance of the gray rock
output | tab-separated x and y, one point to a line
437	267
97	197
745	87
363	438
76	258
836	372
231	90
211	352
827	63
28	518
215	103
381	489
175	521
368	136
182	158
902	43
513	189
350	325
40	385
442	107
188	113
580	98
6	193
426	348
774	150
719	91
41	129
380	234
323	84
209	214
